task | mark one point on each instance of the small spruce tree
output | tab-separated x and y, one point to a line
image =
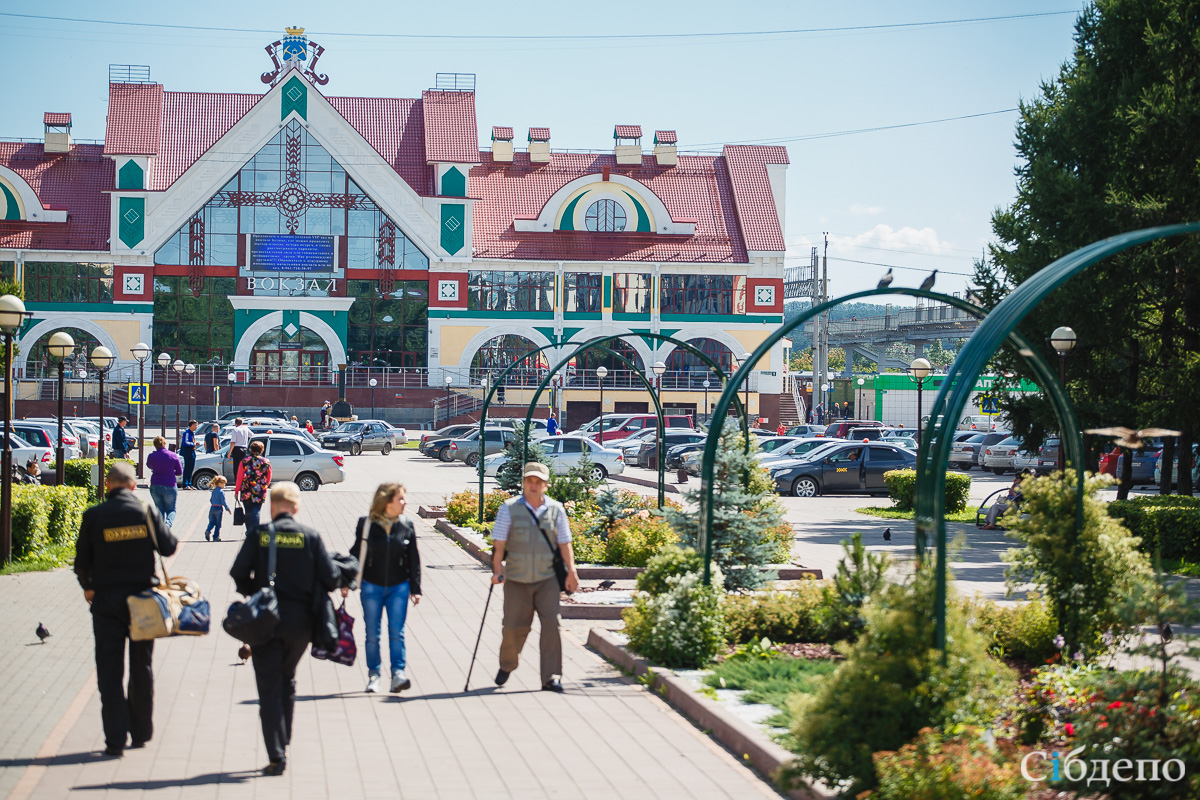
508	477
745	508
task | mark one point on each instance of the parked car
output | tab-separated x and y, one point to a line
247	413
292	457
998	457
564	452
23	452
1048	456
1175	468
622	426
648	452
72	435
466	448
1025	460
840	428
797	448
360	435
45	434
448	432
907	442
629	446
89	434
536	425
847	467
867	434
1145	464
981	423
806	430
964	454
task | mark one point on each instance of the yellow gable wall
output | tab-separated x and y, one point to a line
454	341
751	340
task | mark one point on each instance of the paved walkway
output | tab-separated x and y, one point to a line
605	737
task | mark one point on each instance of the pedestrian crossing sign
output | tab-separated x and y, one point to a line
989	404
139	393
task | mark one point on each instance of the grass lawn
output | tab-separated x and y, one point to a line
966	515
412	444
60	555
1181	566
769	680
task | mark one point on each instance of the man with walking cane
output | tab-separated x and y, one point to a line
532	531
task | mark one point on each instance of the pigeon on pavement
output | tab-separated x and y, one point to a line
607	584
43	632
244	652
887	535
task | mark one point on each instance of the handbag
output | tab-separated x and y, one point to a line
173	608
239	514
344	650
254	620
560	566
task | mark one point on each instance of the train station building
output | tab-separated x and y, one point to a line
278	236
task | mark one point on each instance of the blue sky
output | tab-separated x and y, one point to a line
918	197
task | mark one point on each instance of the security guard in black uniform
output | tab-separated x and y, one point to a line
114	558
301	562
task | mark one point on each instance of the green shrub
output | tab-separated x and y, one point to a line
680	628
588	549
859	576
893	683
792	616
578	484
509	476
463	507
902	489
67	504
634	540
1170	525
1024	631
667	563
30	521
935	767
78	471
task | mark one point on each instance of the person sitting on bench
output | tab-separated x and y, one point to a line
1010	498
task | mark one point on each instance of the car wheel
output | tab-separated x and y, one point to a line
473	460
599	473
203	479
308	482
355	449
999	470
387	448
805	487
444	454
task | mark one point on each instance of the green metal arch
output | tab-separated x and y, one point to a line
951	399
1042	370
661	422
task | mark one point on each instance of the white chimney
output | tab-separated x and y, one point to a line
539	145
664	148
502	143
628	147
58	132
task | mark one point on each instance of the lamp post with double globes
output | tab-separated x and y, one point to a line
164	361
858	401
825	415
450	380
102	359
919	369
61	347
189	370
707	383
12	317
178	366
601	374
232	378
1063	340
373	383
141	353
659	370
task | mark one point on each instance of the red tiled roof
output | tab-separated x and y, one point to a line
75	181
502	133
665	137
451	133
756	208
53	118
134	119
539	134
192	122
627	132
698	188
396	129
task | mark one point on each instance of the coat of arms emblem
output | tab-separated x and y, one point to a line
292	51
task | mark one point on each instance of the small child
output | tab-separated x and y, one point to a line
216	509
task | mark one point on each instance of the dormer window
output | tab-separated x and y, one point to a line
605	216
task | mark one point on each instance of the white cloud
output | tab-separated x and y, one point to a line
884	237
862	210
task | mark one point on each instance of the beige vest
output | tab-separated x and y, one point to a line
527	556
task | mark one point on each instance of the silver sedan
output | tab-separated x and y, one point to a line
564	453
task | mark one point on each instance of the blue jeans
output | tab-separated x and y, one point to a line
374	599
164	501
252	512
214	520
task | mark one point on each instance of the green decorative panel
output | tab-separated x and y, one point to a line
131	176
606	300
643	223
131	226
454	183
294	97
12	211
568	217
454	227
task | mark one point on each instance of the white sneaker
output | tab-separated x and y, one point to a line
372	683
399	681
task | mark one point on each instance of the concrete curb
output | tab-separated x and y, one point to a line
738	736
667	487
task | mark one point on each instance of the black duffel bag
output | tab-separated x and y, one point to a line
254	620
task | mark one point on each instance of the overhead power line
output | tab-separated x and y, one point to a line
830	134
897	266
563	37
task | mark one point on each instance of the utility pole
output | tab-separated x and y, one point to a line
821	362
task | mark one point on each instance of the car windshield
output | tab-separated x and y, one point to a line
350	427
1012	440
820	451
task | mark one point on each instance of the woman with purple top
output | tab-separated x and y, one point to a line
164	466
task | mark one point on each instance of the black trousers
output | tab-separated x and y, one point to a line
275	673
122	715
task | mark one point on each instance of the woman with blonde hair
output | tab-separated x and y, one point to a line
389	575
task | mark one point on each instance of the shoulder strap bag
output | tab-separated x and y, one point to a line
173	608
254	620
560	566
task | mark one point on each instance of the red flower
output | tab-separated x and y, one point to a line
1102	725
1114	704
1070	729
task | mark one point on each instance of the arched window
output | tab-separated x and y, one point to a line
39	356
605	216
498	353
582	369
687	369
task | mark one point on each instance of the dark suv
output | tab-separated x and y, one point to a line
648	453
839	429
851	467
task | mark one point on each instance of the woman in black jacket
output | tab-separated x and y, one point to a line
391	575
301	563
